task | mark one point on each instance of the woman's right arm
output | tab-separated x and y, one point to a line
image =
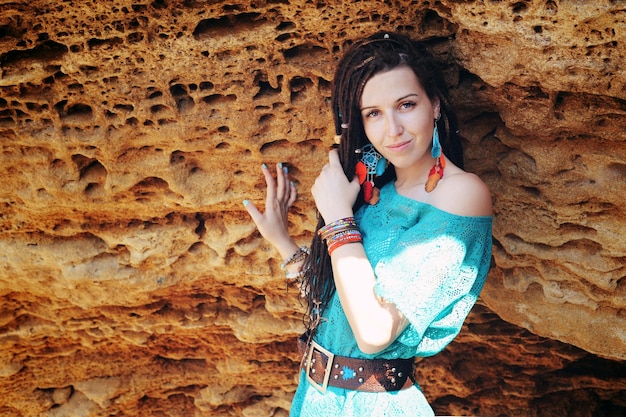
273	224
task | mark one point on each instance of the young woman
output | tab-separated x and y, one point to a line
403	245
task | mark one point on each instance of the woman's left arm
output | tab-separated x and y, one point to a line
375	324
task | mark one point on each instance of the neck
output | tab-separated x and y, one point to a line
414	176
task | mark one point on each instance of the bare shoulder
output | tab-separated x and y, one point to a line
464	194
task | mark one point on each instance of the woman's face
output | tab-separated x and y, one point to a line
398	117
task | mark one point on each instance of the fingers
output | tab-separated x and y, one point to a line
252	211
293	194
282	186
281	190
269	181
333	158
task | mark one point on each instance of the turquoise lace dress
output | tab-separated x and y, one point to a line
432	265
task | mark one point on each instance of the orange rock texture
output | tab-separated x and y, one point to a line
133	283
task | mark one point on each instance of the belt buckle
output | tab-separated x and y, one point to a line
315	346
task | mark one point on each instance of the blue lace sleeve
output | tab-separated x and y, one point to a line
433	273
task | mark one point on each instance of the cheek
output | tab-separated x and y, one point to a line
372	131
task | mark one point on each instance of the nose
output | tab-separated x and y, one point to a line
394	125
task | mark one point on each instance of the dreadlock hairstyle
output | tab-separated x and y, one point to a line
363	59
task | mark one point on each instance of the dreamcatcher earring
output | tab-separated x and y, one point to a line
371	165
436	172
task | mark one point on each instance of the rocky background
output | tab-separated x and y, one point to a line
133	283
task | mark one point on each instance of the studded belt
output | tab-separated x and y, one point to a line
325	369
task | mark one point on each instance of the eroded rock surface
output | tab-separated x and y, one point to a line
133	283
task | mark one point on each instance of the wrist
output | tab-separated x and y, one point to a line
337	215
286	248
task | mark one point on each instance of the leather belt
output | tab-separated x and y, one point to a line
325	369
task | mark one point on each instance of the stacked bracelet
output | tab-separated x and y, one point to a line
341	225
298	255
339	233
294	276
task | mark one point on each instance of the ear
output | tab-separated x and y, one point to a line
436	107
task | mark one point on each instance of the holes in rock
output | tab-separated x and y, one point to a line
432	22
177	157
228	25
7	122
266	118
618	171
324	86
538	29
215	99
184	104
303	51
266	89
533	191
125	107
135	37
149	186
78	111
183	101
201	229
266	147
536	93
159	4
519	7
222	145
93	189
46	51
106	44
154	94
298	86
8	31
206	85
157	108
196	247
89	169
223	129
178	90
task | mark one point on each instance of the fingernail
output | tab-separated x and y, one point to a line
280	165
245	202
286	169
264	166
293	184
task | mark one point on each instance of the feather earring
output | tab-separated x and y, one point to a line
436	172
371	165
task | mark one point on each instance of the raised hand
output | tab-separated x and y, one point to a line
273	223
333	192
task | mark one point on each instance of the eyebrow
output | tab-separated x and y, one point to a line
400	99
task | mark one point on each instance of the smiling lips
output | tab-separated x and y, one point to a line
399	146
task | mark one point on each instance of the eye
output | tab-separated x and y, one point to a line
372	113
407	105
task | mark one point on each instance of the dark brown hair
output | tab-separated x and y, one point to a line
362	60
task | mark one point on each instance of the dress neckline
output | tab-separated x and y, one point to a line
392	185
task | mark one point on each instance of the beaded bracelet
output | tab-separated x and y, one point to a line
341	225
294	275
298	255
351	236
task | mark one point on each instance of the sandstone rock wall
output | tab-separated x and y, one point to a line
132	282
